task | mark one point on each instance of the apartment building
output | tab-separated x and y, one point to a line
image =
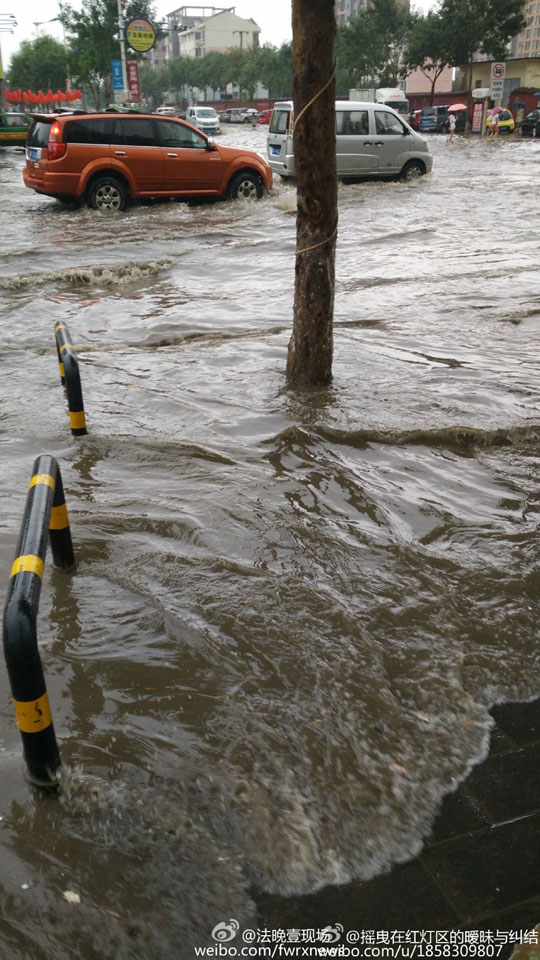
347	9
527	43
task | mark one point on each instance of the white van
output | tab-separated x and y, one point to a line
372	140
204	118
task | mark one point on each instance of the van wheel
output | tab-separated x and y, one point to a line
246	186
411	171
107	193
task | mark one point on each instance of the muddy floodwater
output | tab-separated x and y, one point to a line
291	611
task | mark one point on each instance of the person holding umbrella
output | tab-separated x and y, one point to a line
494	122
452	121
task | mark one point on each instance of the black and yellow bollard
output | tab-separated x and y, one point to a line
45	510
71	380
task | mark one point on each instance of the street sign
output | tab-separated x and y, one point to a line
133	80
140	34
478	117
498	71
117	75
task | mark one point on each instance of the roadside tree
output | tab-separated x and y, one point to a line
480	26
309	359
429	47
94	40
370	48
39	64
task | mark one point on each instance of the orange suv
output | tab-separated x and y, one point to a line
112	158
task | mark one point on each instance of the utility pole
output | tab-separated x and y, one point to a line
309	361
7	25
125	92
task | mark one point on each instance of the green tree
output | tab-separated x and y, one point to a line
428	47
480	26
39	64
274	69
370	48
154	83
94	40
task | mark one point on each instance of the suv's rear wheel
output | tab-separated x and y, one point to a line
246	186
107	193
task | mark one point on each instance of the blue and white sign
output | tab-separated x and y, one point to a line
117	75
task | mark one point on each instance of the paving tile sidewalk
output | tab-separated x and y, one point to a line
480	870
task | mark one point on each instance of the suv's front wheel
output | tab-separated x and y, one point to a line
246	186
107	193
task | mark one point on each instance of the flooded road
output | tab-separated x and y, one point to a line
291	611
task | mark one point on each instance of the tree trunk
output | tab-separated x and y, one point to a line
309	361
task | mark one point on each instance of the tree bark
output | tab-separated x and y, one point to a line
309	361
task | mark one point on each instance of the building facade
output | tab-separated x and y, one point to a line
347	9
196	31
519	73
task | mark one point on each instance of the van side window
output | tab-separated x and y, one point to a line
280	121
352	123
387	123
134	132
177	135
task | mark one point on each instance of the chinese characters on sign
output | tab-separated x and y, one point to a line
133	80
140	34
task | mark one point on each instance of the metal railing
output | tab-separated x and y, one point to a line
45	510
71	380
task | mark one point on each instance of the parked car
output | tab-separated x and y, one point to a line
506	122
204	118
372	140
110	159
167	111
530	125
434	120
264	116
13	128
232	115
248	114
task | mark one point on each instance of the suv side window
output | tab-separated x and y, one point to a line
387	123
88	131
178	135
134	132
352	122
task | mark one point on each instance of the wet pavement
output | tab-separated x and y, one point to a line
480	869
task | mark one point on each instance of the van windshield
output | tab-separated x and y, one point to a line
280	121
205	112
400	106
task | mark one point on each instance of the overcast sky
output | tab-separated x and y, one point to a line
273	17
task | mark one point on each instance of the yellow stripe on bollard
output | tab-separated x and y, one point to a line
42	478
77	420
66	346
59	518
28	563
62	374
33	716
